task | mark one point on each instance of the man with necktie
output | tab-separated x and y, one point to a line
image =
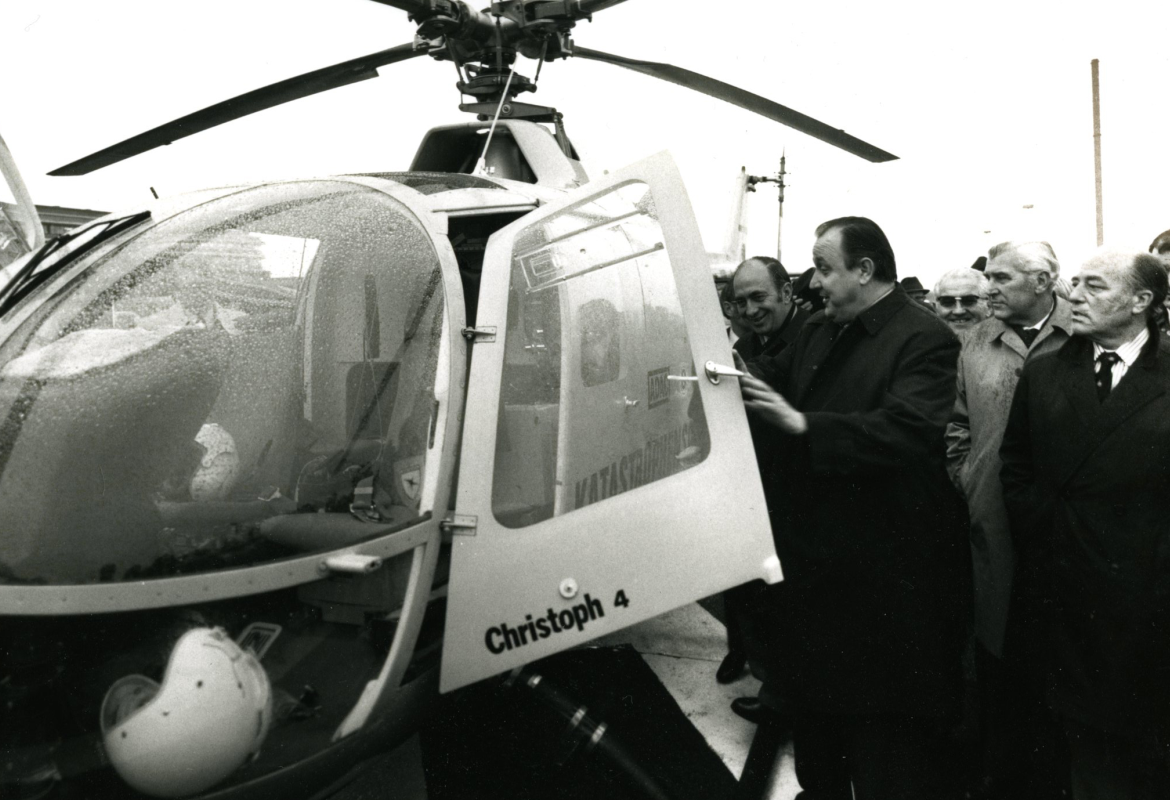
1020	755
1086	480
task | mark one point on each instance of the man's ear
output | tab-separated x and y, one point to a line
1044	282
1141	301
786	292
866	267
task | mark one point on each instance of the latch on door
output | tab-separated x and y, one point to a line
714	371
485	334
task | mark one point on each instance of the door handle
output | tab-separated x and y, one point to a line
715	371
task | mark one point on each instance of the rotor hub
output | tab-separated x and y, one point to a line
490	84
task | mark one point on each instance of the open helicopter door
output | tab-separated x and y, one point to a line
603	479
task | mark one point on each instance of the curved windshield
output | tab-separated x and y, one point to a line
219	388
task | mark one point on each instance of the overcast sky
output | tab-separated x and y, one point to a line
989	108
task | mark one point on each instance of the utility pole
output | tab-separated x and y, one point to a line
780	214
777	179
1097	152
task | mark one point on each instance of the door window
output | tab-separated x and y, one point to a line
592	405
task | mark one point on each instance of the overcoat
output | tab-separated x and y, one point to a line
1087	487
753	349
871	534
990	365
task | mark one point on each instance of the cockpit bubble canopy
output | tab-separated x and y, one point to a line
171	401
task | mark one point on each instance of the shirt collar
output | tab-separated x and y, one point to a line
1060	316
1127	352
779	332
1047	317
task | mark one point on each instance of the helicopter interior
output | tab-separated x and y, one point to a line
296	399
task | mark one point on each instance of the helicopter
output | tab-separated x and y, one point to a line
279	462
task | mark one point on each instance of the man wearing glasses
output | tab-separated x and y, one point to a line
960	298
1020	753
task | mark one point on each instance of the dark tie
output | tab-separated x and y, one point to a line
1027	334
1105	363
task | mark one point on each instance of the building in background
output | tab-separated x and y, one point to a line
57	220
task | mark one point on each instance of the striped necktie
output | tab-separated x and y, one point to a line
1105	363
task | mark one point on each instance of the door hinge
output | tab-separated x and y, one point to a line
459	525
485	334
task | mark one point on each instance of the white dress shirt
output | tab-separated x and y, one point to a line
1128	353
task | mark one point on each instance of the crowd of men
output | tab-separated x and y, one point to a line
970	496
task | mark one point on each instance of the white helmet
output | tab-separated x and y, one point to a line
209	715
219	467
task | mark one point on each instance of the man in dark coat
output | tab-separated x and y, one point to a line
1086	479
762	293
763	300
867	628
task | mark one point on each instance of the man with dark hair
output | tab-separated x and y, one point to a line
735	322
763	298
1161	245
862	238
1086	480
864	635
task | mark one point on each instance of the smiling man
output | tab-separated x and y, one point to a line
866	630
960	298
763	300
762	297
1086	480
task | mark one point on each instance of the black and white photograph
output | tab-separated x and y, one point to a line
584	399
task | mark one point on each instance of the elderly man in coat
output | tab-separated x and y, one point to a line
865	632
1019	744
1086	478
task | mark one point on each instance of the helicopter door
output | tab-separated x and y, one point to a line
603	479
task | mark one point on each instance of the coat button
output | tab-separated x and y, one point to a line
1019	371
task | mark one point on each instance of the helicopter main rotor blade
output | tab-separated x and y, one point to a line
411	7
320	80
744	99
593	6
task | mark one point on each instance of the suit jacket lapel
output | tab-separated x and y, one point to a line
1141	385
